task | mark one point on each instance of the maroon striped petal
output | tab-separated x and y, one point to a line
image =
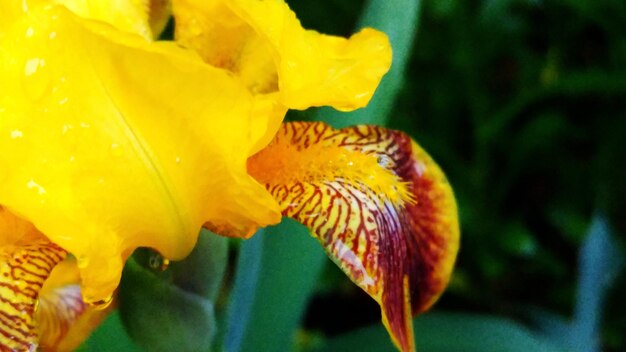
378	204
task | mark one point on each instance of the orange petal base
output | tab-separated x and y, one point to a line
380	206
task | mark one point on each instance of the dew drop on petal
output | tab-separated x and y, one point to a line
36	78
116	150
101	304
31	184
17	134
82	262
31	66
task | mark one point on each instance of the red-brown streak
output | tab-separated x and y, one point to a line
13	325
403	246
12	338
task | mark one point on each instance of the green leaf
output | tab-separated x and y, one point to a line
109	337
160	316
449	332
399	19
202	272
276	273
599	263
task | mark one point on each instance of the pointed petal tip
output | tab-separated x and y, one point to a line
345	185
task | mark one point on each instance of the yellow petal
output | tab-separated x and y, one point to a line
379	205
265	45
10	10
14	229
116	142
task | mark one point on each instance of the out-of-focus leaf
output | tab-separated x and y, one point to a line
599	263
399	19
276	272
449	332
160	316
553	326
109	337
573	85
336	17
202	272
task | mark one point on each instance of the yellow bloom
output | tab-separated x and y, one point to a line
264	45
112	141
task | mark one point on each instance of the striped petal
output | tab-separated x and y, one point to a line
379	205
41	307
23	270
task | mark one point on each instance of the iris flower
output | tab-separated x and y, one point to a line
111	140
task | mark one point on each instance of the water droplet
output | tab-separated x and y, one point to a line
17	134
31	184
32	65
116	150
178	160
66	128
82	262
36	78
158	262
165	264
30	32
52	35
63	100
101	304
420	168
385	161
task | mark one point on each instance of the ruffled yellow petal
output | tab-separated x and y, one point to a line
265	45
131	16
379	205
116	142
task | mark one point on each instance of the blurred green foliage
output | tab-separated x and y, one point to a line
523	104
